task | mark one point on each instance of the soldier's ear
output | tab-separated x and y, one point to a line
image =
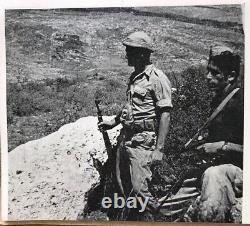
232	77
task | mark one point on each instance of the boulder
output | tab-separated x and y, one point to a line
49	177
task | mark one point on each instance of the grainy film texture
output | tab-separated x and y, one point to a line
101	105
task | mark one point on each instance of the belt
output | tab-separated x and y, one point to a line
144	125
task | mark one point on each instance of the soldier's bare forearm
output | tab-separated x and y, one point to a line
231	147
163	130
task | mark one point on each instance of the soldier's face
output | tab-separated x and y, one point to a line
215	78
133	56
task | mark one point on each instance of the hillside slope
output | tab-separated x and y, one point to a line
58	59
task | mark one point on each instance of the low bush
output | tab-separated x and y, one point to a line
60	101
68	99
191	109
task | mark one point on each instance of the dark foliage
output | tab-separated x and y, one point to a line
191	108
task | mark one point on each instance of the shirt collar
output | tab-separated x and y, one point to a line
147	71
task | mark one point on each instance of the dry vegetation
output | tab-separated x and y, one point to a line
57	59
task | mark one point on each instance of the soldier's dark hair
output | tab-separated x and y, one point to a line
227	62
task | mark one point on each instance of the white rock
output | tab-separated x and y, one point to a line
49	177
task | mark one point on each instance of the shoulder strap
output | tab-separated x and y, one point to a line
222	104
214	114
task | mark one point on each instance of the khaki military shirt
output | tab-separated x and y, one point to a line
149	91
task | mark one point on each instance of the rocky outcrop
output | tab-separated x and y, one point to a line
67	47
48	178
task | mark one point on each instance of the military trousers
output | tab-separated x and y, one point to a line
221	196
135	160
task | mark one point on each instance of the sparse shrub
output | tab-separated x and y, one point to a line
191	105
191	108
113	85
67	100
23	105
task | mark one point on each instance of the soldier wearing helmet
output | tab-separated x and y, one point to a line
221	192
145	119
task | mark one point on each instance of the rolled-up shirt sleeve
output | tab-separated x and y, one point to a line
162	90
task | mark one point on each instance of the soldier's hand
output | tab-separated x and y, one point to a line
156	156
211	148
105	125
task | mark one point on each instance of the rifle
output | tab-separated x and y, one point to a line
193	142
104	133
113	160
191	173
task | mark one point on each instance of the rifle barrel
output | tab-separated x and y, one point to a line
104	133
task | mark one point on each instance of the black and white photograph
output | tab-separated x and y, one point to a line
129	113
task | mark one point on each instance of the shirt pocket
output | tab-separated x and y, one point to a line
139	94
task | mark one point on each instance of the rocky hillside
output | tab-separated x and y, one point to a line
48	178
57	59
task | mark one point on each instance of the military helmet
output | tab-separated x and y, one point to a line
139	39
219	50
